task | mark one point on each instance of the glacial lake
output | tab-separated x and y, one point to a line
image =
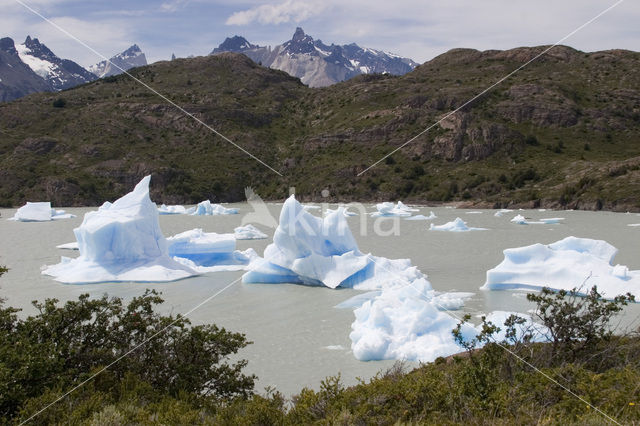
298	335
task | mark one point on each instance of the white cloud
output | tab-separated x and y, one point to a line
290	11
173	5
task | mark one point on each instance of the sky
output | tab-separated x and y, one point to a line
418	29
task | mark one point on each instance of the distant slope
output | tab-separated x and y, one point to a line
563	132
16	78
316	63
130	58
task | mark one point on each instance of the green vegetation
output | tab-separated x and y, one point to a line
566	116
183	376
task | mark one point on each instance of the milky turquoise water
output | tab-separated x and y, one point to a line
298	336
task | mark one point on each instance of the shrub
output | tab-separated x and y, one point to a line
61	345
59	103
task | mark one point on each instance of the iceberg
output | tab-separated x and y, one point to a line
322	251
69	246
205	250
388	209
401	317
520	220
566	264
422	217
501	212
164	209
551	220
39	212
457	225
248	232
121	242
205	208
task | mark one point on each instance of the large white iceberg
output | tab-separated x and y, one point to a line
39	212
388	209
248	232
566	264
121	242
205	208
457	225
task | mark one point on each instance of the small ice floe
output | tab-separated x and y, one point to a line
69	246
566	264
457	225
520	220
39	212
551	220
501	212
175	209
335	347
474	212
431	216
207	250
310	207
634	224
248	232
388	209
205	208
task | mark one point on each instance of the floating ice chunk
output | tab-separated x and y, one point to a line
457	225
205	208
422	217
310	207
474	212
551	220
520	220
39	212
164	209
121	242
335	347
248	232
237	261
389	209
566	264
404	323
634	224
206	249
451	301
400	320
69	246
501	212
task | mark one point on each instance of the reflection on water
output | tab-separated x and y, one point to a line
299	337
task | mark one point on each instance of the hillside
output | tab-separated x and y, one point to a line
563	132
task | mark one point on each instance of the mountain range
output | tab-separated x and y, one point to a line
314	62
561	132
318	64
32	67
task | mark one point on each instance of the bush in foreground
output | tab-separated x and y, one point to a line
495	384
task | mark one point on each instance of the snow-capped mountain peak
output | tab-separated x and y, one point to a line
316	63
58	73
130	58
